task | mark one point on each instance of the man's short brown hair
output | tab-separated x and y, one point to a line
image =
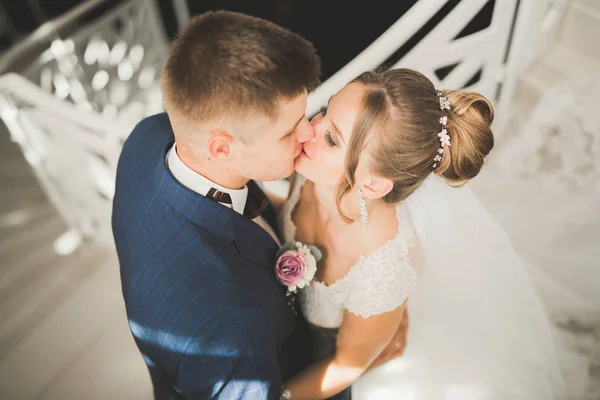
226	64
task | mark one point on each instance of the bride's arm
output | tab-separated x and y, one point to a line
360	341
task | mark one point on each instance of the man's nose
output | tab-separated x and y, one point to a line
305	131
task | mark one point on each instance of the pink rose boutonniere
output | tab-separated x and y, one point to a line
296	267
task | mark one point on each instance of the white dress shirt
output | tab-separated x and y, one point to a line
201	185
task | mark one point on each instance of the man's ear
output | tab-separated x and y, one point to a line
376	187
218	146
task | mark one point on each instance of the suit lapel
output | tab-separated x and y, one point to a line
253	242
268	214
271	218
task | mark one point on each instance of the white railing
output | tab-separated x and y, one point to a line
528	23
73	106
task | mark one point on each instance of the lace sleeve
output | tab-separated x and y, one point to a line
382	281
380	288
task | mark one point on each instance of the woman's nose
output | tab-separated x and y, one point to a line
305	131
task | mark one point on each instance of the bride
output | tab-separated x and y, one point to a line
381	191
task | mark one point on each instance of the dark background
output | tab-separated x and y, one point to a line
340	30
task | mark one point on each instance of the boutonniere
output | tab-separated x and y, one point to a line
296	267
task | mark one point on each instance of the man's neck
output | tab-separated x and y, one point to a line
211	170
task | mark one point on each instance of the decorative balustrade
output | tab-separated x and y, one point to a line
73	102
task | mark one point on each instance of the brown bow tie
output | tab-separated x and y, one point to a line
255	204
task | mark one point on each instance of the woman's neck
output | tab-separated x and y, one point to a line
325	197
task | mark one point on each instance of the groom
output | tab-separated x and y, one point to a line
196	237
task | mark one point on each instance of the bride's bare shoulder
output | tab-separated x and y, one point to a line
381	228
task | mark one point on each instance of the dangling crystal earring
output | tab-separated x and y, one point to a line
364	216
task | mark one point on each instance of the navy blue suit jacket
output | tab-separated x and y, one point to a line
203	304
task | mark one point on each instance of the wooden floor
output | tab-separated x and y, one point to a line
63	329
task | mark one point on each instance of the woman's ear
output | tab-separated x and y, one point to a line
376	187
219	145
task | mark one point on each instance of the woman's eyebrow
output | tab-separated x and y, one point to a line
338	131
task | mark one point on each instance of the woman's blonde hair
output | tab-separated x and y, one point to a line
398	129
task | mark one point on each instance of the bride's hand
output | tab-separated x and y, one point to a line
396	346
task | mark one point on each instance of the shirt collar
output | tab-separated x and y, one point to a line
200	184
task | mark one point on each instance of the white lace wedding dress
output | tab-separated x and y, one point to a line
477	328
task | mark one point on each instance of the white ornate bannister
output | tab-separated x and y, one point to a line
490	58
72	106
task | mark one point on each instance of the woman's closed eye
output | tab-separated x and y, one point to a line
328	138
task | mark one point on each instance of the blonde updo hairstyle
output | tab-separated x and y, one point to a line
399	125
